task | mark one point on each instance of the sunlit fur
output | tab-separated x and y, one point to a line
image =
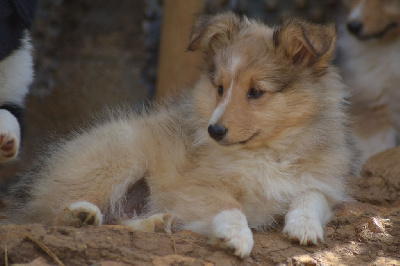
288	151
371	69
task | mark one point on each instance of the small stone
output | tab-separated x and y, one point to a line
304	260
375	225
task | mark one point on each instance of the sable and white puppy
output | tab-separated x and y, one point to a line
16	71
262	135
370	65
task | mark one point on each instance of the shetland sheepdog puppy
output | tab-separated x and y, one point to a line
370	64
16	71
262	135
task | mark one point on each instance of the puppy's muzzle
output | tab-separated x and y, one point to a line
217	131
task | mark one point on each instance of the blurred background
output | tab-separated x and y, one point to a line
94	54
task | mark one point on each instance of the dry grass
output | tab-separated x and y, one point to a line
45	249
174	244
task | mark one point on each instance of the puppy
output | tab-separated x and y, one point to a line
262	135
370	64
16	71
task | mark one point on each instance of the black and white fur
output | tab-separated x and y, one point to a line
16	71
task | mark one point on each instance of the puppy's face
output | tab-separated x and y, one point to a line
258	86
373	19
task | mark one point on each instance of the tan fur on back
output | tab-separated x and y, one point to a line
292	140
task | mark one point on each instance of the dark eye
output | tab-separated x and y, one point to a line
254	93
220	90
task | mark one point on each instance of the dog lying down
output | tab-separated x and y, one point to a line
263	134
370	65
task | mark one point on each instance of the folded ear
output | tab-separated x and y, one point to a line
306	44
210	33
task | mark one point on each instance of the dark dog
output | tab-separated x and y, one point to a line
16	71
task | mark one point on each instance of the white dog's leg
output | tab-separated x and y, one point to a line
308	214
9	136
79	214
231	229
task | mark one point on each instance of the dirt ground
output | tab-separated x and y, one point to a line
363	232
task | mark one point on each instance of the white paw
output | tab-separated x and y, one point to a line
8	146
80	214
9	136
303	227
231	228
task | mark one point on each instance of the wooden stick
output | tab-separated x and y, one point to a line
46	249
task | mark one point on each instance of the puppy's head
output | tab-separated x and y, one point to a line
260	84
373	19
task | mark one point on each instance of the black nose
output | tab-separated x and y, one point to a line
217	131
355	27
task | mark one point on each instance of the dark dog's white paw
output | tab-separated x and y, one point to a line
9	136
78	214
8	146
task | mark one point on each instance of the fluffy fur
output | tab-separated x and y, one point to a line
16	71
285	151
370	64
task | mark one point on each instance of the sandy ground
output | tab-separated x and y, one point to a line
364	232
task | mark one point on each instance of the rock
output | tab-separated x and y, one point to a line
375	225
304	260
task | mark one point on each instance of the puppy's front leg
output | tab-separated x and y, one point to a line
230	228
308	213
216	214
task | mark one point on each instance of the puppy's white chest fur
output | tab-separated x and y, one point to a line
263	184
